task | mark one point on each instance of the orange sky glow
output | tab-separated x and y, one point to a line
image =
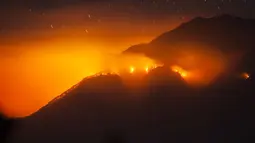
38	67
36	72
41	63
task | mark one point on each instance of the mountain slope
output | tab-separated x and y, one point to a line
160	107
233	37
163	109
6	128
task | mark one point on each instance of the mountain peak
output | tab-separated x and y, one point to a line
90	83
226	34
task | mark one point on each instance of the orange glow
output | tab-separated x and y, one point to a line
146	69
35	78
32	79
153	66
199	64
47	60
245	75
132	69
183	74
180	71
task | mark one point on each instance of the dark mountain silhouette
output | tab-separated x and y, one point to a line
159	107
6	128
104	109
233	36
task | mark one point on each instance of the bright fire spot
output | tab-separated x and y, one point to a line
183	74
132	69
180	71
147	69
245	75
175	70
156	66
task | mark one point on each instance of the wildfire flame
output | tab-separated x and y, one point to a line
146	69
132	69
183	73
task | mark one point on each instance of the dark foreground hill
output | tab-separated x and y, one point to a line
162	109
6	128
232	36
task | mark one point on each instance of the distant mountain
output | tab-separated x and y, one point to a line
106	109
232	36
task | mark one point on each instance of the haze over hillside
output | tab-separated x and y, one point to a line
159	105
207	46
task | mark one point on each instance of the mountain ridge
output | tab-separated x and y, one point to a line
229	34
161	109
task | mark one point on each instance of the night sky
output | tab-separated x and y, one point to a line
17	14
